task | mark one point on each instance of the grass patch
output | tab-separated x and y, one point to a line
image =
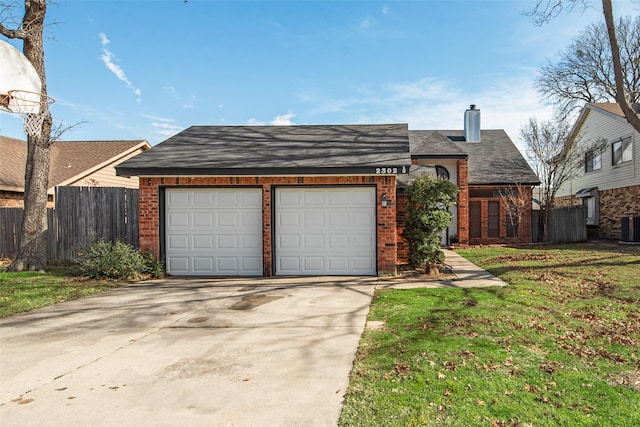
559	346
28	290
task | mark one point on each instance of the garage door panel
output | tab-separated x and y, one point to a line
178	265
202	199
251	219
339	218
203	242
289	241
288	264
177	199
227	242
202	264
313	241
338	241
313	218
339	264
313	198
252	242
202	220
333	225
214	231
338	198
313	263
177	241
178	219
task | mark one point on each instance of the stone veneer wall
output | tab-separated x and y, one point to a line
149	209
614	204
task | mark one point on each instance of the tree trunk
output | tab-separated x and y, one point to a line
621	98
32	250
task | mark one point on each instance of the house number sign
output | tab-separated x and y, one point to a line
391	170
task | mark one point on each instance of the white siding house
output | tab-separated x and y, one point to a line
609	183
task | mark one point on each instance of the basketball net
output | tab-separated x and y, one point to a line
32	106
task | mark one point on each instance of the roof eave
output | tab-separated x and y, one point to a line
356	170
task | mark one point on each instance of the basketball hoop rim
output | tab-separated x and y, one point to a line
25	98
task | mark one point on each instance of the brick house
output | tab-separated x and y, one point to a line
302	200
73	163
609	183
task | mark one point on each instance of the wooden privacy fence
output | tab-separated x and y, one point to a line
568	225
81	216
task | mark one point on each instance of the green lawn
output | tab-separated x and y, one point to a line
28	290
559	347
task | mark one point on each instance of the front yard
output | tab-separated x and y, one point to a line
559	346
28	290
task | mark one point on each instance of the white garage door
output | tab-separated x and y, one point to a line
325	231
214	232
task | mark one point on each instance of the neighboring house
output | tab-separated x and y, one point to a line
311	200
73	163
609	182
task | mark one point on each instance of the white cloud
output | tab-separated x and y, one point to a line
431	103
158	118
279	120
165	129
385	10
254	122
187	102
283	119
108	59
366	23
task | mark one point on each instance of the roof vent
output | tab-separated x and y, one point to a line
472	124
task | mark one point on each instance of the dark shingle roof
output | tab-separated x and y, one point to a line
264	150
69	159
494	160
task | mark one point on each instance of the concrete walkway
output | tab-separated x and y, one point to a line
196	352
465	275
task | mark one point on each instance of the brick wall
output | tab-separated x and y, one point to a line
463	202
614	204
12	199
149	209
524	227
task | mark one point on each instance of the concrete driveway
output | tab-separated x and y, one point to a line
189	352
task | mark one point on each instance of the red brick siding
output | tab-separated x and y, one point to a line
524	229
386	217
463	202
401	212
614	204
12	199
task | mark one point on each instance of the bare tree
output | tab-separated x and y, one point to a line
516	202
32	251
585	72
554	160
545	10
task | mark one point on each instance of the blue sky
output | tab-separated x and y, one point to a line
149	69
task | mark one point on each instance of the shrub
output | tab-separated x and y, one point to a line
118	260
427	217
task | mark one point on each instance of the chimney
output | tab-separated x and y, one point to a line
472	124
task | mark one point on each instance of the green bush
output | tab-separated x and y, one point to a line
427	217
118	260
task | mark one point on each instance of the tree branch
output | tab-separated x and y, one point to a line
629	114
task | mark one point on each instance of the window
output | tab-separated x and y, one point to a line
475	219
442	172
590	198
494	219
592	161
621	151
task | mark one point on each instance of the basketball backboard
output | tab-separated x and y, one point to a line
17	74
